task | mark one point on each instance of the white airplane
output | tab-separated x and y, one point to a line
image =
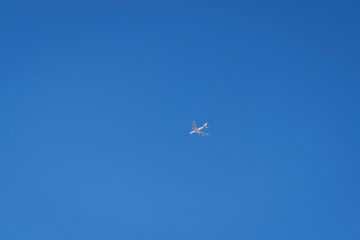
197	130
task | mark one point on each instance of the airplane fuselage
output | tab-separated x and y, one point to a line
195	131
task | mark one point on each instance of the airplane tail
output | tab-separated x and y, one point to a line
206	126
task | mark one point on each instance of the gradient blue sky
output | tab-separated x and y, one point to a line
97	100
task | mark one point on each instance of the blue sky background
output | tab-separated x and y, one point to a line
97	100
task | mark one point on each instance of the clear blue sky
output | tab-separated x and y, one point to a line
97	100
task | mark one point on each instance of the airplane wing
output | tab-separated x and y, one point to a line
200	132
194	125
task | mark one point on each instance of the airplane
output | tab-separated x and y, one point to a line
197	130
